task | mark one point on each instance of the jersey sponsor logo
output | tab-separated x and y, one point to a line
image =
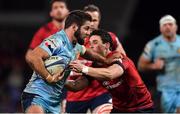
112	85
50	43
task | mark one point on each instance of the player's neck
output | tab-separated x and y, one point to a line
170	39
107	53
69	34
58	24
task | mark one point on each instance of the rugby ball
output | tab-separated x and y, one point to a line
55	64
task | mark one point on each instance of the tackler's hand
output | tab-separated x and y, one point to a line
76	66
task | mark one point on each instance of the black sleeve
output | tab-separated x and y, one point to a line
119	63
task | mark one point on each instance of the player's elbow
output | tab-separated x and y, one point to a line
141	66
27	56
31	58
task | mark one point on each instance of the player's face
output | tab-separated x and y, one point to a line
86	29
95	19
59	11
168	29
83	32
97	45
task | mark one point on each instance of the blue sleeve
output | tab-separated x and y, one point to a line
80	48
51	45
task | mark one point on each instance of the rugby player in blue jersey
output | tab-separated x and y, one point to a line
162	55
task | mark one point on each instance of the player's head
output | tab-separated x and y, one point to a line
80	23
168	26
59	9
101	41
95	14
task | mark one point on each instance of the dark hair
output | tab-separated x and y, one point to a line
92	8
78	17
105	36
53	1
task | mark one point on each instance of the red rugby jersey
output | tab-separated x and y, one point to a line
128	91
44	32
95	88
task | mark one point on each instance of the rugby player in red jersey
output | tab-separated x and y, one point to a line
121	79
94	97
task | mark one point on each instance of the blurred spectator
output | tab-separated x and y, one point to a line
58	13
162	54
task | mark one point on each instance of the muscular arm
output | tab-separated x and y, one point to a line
93	56
35	59
109	73
89	54
147	61
146	65
77	85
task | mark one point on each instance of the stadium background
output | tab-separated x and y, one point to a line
134	21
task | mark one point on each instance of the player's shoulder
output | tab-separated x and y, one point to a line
54	39
113	35
178	36
46	27
178	39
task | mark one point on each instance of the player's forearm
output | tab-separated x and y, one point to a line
37	64
109	73
93	56
76	85
144	67
100	73
71	86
